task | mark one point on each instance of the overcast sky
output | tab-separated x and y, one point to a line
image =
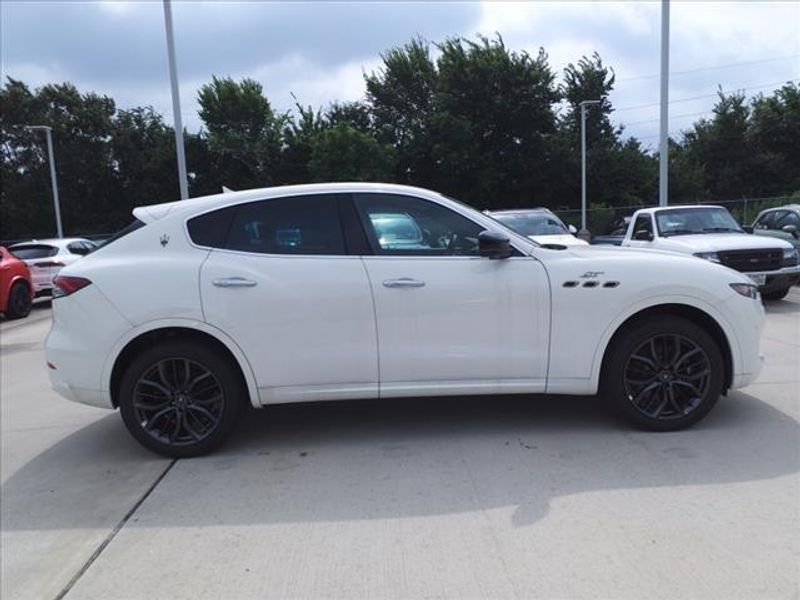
319	50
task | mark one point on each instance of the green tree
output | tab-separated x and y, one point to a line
245	135
343	153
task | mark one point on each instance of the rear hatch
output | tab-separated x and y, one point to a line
41	260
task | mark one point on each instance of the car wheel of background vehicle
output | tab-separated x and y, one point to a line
19	301
180	399
663	374
775	295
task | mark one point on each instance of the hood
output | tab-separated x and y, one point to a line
565	239
716	242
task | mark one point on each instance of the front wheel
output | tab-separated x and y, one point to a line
181	399
664	374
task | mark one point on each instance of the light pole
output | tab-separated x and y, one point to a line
663	153
56	204
176	102
584	233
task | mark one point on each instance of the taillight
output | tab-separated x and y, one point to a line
66	285
49	263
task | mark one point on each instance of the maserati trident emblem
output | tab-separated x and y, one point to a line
164	240
591	274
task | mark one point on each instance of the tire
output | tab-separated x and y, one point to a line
177	412
776	294
665	373
19	301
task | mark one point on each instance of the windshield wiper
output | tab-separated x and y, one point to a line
722	229
679	232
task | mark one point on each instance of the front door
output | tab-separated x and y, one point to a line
450	321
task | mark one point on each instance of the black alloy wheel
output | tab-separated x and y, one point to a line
181	399
663	373
667	376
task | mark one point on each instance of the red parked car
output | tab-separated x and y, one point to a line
16	289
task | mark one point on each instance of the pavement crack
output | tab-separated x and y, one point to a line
112	534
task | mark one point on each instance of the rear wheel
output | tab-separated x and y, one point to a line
19	301
664	374
776	294
180	399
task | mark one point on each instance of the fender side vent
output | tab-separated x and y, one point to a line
570	284
591	284
611	284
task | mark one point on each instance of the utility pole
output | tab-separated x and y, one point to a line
663	153
176	102
584	233
52	159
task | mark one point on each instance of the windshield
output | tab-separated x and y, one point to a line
31	251
685	221
532	223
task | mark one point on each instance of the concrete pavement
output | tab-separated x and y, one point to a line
505	497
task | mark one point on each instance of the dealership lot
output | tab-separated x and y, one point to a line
506	497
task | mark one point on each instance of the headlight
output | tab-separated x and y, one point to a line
712	256
790	257
748	290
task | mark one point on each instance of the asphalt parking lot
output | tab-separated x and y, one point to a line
506	497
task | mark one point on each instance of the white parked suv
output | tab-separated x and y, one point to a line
711	233
46	258
334	291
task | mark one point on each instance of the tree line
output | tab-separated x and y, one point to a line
473	119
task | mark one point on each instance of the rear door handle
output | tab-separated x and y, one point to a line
229	282
403	282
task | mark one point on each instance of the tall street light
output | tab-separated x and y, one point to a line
176	102
663	152
584	232
56	204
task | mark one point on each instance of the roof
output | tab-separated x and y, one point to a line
654	209
154	212
512	211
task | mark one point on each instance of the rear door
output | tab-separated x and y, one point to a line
282	283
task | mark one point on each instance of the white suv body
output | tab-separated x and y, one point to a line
307	298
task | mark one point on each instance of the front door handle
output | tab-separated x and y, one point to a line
403	282
229	282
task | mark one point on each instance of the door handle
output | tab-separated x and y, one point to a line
230	282
403	282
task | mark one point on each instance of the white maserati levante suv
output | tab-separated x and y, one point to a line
342	291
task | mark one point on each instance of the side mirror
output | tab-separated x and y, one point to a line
643	235
494	245
747	228
572	229
790	229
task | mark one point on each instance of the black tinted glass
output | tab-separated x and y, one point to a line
294	225
30	251
211	228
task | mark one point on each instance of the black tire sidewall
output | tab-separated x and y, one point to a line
18	291
228	376
613	387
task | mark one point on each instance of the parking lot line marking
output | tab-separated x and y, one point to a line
114	532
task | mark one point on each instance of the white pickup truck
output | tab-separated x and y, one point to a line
710	232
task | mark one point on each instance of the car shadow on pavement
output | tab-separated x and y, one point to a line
401	458
782	307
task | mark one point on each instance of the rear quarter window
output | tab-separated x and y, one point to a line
211	229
